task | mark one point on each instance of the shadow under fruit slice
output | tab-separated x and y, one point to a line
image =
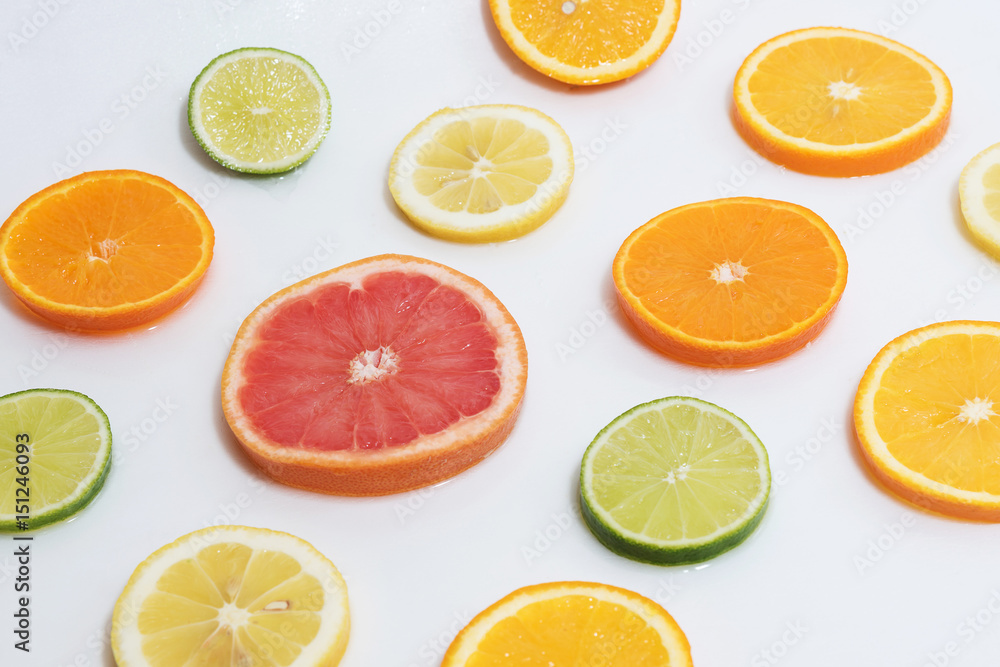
106	250
232	595
571	623
731	282
380	376
926	418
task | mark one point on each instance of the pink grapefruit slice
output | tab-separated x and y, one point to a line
380	376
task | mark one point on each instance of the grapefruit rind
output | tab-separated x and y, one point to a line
902	481
428	460
107	318
810	157
714	353
658	619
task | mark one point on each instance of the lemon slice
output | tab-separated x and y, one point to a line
676	480
232	596
259	111
483	173
979	193
55	453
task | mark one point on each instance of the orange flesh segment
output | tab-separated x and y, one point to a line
429	353
791	88
790	270
114	242
602	31
566	631
922	411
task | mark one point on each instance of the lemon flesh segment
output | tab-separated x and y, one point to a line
676	480
55	453
979	194
233	596
259	110
486	173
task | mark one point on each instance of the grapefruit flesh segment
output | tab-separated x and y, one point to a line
363	382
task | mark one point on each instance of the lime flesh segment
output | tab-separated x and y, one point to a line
259	110
677	480
55	453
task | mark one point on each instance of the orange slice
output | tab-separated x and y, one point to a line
379	376
731	282
571	623
587	41
105	250
928	420
839	102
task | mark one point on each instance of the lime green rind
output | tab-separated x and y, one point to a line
91	486
263	170
670	552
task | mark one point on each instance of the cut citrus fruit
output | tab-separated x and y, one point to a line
259	111
676	480
731	282
979	192
55	453
840	102
232	596
379	376
925	418
587	41
570	623
485	173
105	250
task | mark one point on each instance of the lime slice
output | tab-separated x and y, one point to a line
677	480
55	453
259	111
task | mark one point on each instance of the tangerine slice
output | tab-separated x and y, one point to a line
731	282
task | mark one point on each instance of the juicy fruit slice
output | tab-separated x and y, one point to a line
587	41
571	623
676	480
259	111
231	596
55	453
380	376
979	192
731	282
839	102
926	419
106	250
484	173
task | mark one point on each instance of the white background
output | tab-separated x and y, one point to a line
419	565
